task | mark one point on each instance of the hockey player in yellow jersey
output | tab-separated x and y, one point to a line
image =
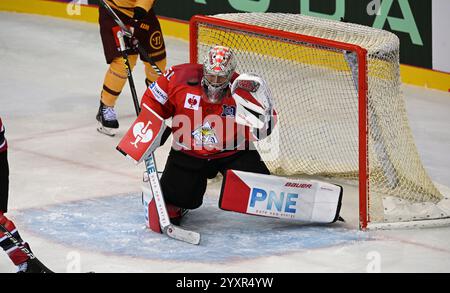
140	16
128	6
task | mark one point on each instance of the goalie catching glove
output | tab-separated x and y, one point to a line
256	112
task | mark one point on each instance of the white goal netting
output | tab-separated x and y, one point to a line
316	96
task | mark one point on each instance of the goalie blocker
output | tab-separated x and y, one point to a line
145	135
277	197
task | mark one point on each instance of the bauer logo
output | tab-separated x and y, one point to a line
158	93
271	203
298	185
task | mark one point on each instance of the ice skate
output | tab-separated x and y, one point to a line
107	120
176	214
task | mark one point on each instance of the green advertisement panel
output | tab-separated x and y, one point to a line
410	20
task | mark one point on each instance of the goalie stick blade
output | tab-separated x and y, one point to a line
182	234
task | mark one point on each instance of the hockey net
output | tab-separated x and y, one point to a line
341	110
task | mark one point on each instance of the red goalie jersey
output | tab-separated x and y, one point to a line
199	128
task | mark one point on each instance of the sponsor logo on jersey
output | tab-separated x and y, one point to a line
268	202
192	102
156	40
228	111
205	135
159	94
144	26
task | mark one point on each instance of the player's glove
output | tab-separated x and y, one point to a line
139	13
139	17
255	111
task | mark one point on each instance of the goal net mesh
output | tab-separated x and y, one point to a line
315	88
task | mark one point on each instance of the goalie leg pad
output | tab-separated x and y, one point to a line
278	197
151	212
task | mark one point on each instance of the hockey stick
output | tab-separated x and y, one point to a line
24	249
128	33
150	164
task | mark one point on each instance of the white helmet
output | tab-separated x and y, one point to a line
218	68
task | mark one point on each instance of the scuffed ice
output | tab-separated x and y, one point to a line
115	225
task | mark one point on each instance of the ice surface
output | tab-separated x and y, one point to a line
225	236
76	199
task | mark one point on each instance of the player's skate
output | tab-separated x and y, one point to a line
107	119
33	266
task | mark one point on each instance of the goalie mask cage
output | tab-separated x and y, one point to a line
341	111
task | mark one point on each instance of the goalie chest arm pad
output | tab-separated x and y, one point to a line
144	136
302	200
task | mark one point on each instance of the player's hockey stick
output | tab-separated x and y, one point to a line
129	34
150	164
24	249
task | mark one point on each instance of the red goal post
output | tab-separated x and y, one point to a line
362	80
233	30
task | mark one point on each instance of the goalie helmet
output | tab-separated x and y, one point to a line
218	68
